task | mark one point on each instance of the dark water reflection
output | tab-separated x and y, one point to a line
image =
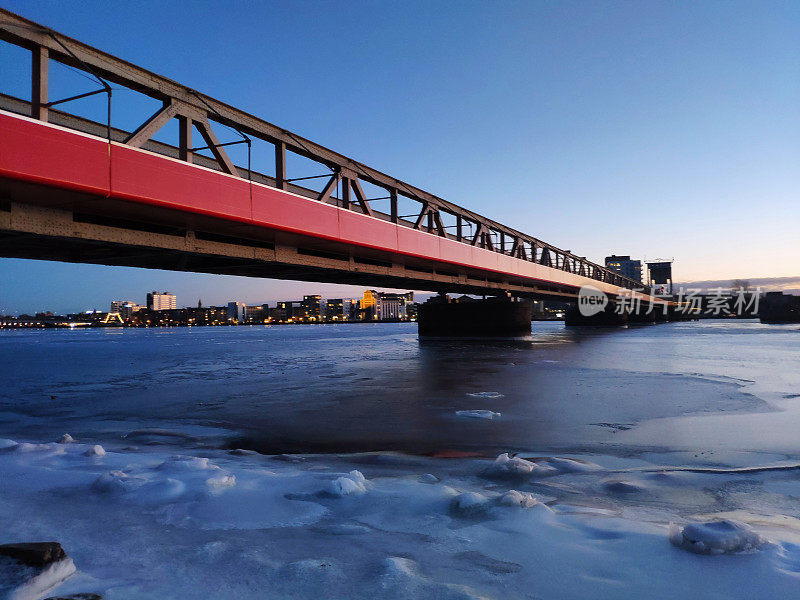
361	387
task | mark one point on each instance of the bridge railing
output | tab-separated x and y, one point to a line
195	112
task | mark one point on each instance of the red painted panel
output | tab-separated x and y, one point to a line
417	243
485	259
455	252
359	229
287	212
149	178
32	151
508	264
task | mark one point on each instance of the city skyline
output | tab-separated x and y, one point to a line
26	293
700	120
674	125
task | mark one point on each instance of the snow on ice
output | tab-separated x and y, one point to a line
478	414
487	395
144	523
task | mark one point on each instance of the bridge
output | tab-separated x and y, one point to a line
82	190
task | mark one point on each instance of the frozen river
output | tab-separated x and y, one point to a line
622	432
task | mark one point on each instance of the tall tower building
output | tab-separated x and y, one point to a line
632	269
162	301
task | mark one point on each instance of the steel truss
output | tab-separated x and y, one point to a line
196	111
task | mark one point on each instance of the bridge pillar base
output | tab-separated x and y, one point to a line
494	317
608	318
642	317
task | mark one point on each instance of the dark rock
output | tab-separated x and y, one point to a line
34	554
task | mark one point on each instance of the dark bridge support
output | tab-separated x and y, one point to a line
643	317
493	317
607	318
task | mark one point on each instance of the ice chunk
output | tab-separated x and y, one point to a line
116	482
33	449
96	450
66	439
469	505
570	465
715	537
478	414
353	483
21	582
490	395
515	498
428	478
242	452
6	443
508	467
188	463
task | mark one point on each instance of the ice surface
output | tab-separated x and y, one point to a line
142	524
402	579
620	486
478	414
715	537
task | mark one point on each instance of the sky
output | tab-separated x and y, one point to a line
655	129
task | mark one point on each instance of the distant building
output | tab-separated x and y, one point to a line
311	307
125	309
385	306
333	309
283	311
367	304
236	312
162	301
211	315
632	269
388	306
256	314
116	305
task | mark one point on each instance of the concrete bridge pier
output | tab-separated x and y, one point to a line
643	317
609	317
491	317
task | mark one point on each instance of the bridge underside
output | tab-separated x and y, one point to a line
45	223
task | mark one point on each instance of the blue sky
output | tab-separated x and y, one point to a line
657	129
